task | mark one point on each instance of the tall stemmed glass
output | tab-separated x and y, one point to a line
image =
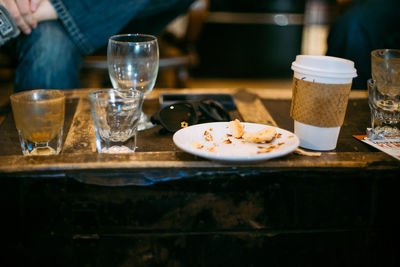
133	64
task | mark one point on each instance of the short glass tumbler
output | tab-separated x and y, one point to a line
39	119
385	113
115	116
385	69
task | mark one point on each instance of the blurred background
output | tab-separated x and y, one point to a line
252	43
227	43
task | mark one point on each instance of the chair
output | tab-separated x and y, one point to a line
177	53
177	56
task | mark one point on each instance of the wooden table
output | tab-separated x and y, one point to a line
163	207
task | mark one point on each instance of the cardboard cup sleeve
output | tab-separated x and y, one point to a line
319	104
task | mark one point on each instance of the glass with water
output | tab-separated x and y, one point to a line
115	116
384	95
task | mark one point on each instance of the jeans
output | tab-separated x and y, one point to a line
368	25
51	56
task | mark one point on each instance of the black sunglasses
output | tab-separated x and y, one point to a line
185	113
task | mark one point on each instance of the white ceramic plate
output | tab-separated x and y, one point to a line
190	140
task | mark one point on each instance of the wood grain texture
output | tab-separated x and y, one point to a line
252	109
169	159
81	136
163	207
79	152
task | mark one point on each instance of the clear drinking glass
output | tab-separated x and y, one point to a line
133	64
115	116
39	119
385	113
384	94
385	69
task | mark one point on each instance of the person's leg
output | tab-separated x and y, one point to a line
370	25
47	59
144	22
349	39
91	22
50	57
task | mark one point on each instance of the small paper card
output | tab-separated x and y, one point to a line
390	148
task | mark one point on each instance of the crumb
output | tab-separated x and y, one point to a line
228	135
290	136
211	149
279	135
197	145
265	135
208	136
211	129
227	141
184	124
237	128
215	144
265	149
307	153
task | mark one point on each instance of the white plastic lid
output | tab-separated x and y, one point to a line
324	66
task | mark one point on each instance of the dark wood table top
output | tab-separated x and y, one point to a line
156	151
81	208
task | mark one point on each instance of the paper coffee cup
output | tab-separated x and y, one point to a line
320	91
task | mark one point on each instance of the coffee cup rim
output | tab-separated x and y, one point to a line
324	66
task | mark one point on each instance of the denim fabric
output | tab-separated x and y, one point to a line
368	25
50	57
91	22
47	59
